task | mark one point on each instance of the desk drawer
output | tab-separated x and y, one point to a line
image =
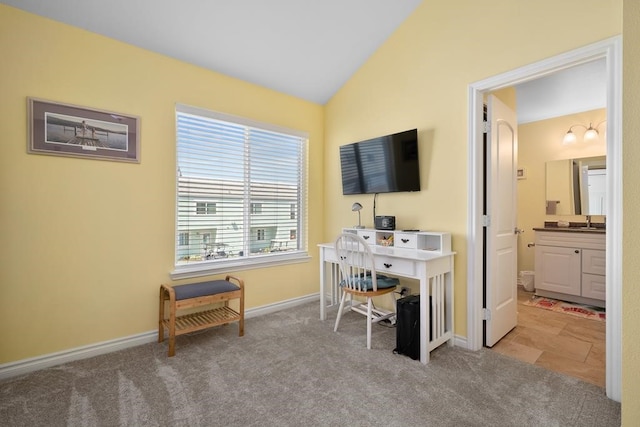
330	255
395	265
368	236
406	240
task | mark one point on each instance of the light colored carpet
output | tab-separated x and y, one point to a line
291	369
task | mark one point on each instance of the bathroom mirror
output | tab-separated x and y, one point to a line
576	186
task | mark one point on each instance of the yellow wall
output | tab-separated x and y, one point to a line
420	78
539	142
631	212
86	243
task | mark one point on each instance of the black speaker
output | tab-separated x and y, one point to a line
408	326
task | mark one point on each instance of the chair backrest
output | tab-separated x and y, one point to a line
357	266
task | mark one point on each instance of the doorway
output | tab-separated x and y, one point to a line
611	51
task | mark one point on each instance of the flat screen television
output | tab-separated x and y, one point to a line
381	165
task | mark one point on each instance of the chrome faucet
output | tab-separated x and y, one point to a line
588	221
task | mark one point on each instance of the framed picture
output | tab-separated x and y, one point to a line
521	173
68	130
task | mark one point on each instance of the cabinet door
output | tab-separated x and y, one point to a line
558	269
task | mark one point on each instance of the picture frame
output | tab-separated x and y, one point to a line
59	129
521	173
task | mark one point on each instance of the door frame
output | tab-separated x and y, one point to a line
611	50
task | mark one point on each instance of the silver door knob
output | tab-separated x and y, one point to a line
518	230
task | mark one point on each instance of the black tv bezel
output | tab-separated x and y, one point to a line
395	138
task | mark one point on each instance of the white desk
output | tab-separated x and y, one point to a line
434	270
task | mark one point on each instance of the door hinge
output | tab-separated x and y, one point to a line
486	314
486	220
486	127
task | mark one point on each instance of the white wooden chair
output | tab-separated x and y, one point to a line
358	278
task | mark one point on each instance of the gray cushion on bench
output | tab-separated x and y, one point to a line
194	290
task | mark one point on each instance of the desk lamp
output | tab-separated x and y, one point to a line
356	208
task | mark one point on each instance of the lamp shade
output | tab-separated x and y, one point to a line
569	138
591	134
356	208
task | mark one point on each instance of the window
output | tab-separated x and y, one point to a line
228	170
256	208
205	208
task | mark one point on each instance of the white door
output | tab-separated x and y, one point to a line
501	229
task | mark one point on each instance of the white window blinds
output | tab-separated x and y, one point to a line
238	184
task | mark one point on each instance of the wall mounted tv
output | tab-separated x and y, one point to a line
381	165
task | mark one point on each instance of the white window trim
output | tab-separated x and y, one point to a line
205	268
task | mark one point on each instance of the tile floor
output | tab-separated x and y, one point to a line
557	341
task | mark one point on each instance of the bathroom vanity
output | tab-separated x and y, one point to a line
570	264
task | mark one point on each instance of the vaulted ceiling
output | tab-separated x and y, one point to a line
304	48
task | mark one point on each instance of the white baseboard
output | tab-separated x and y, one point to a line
459	341
272	308
25	366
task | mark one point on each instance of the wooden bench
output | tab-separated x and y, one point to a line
194	295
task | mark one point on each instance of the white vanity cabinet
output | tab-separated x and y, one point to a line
570	265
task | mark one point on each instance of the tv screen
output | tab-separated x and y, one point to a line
381	165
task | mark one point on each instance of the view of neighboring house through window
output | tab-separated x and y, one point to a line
256	208
205	208
240	188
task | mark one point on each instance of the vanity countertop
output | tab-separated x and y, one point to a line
574	227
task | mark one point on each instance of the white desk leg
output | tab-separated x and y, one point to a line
449	305
424	316
323	297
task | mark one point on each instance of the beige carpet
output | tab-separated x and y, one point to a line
291	369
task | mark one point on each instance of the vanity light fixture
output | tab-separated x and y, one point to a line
356	207
591	134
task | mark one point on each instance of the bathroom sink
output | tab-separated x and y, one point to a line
593	229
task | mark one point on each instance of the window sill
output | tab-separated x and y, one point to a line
204	268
